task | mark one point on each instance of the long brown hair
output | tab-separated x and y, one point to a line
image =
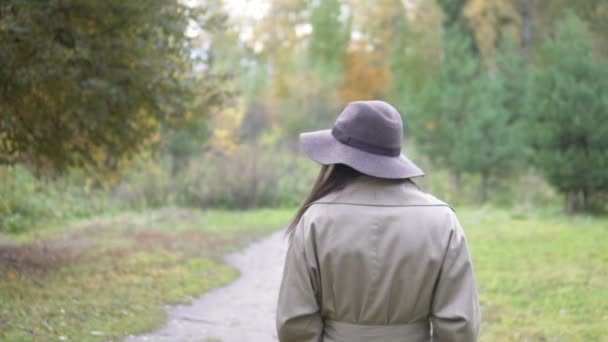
331	178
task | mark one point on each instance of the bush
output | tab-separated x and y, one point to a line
26	201
19	207
248	176
147	183
251	176
526	189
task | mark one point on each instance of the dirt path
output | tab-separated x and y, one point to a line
242	311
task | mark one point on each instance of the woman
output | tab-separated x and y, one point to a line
371	257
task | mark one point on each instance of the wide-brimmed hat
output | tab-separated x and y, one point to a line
367	136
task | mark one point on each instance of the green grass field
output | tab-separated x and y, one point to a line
542	276
104	279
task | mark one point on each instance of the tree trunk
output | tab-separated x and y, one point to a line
179	163
527	30
455	185
585	200
175	166
485	186
571	202
256	177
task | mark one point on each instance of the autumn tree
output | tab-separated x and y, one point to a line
302	46
489	22
367	71
569	126
90	82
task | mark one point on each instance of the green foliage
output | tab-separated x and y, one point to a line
452	13
569	127
253	176
463	122
329	38
517	80
441	110
27	201
88	82
148	183
409	69
492	143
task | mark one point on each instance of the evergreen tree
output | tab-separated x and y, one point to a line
440	109
492	143
569	124
462	121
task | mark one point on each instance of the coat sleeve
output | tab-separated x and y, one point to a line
298	312
455	314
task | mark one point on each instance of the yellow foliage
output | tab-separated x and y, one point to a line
225	126
277	32
431	125
489	20
374	19
365	77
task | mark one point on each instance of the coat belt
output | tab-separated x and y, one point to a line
336	331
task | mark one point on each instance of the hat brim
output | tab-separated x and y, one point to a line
323	148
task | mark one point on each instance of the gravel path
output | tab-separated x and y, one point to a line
240	312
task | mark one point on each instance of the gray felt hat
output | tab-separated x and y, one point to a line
367	136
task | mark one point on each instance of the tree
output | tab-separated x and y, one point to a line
91	82
452	14
329	37
569	127
327	48
301	47
440	109
413	52
461	121
515	73
365	78
489	21
493	144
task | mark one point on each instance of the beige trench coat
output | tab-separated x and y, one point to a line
378	261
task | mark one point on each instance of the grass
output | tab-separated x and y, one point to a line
104	279
542	276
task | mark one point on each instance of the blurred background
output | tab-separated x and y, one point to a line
189	111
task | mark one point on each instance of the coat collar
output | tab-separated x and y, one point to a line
373	191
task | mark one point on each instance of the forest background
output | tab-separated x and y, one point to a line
113	108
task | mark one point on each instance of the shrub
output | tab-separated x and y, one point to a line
26	201
251	176
147	183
